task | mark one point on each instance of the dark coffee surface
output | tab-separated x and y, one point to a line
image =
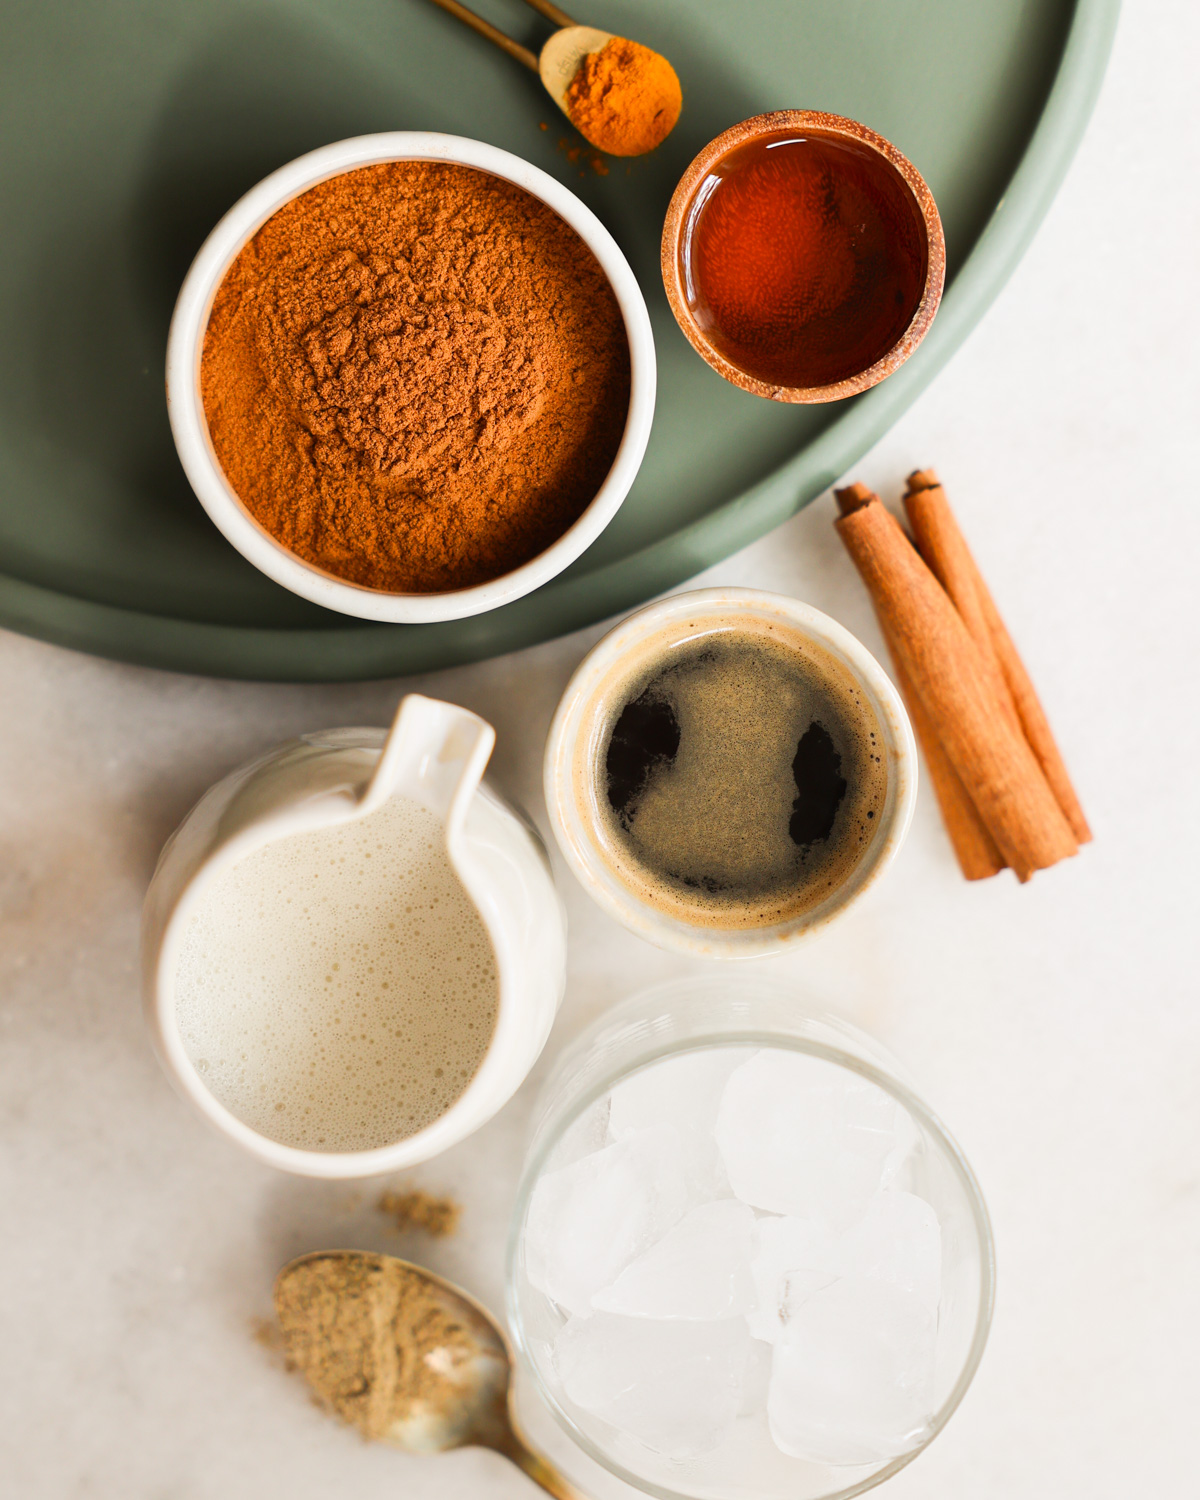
741	775
646	737
820	786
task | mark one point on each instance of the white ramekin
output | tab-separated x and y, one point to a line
186	341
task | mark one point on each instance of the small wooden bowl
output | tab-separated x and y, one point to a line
812	122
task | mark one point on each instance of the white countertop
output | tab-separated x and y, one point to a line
1055	1027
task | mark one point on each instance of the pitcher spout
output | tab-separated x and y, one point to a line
435	754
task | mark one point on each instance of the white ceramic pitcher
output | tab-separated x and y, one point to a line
434	754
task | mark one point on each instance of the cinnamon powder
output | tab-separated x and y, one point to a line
414	1209
416	376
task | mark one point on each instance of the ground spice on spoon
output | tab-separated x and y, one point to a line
416	376
625	98
360	1331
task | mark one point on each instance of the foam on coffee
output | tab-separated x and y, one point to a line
337	990
736	770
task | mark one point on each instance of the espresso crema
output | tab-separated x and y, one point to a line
734	770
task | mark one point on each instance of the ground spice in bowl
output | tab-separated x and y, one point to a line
415	376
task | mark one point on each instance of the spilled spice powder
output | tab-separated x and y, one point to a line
416	376
573	153
414	1209
625	98
266	1334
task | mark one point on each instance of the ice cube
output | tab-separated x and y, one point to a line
674	1386
684	1091
757	1380
897	1168
587	1221
789	1255
852	1377
802	1136
700	1269
587	1133
898	1240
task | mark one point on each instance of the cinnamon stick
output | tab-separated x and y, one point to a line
944	548
974	847
947	671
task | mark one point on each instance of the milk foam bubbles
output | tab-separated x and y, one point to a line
337	989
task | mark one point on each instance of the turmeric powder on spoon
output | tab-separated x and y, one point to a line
622	97
625	98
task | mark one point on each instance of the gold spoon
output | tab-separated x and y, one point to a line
559	60
406	1357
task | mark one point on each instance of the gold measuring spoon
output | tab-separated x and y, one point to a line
404	1356
559	61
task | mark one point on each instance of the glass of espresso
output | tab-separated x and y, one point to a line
728	770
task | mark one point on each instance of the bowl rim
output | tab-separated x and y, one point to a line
189	426
817	122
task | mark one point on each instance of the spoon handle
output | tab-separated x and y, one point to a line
493	33
539	1469
551	12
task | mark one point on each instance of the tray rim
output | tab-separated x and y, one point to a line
366	652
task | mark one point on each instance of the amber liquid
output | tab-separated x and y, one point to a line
803	258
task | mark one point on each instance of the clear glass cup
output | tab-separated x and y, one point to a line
692	1014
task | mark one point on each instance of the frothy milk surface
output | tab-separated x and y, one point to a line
337	990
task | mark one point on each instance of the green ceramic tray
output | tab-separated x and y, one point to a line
129	126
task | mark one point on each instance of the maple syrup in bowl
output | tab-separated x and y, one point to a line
803	256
